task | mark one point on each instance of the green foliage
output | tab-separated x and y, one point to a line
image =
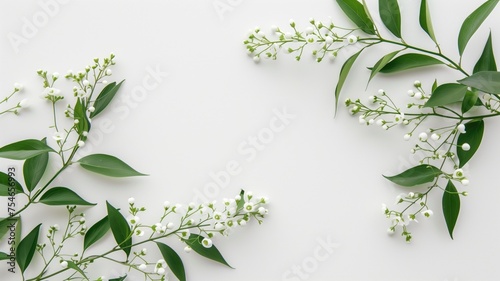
211	253
26	248
391	16
62	196
472	23
173	260
415	176
24	149
451	206
357	14
107	165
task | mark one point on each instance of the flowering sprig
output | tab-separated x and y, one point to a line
460	107
24	103
195	225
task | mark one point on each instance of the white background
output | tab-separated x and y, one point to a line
322	174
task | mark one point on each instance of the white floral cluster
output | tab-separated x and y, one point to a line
204	219
327	38
432	144
16	109
86	81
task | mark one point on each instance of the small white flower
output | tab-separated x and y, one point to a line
407	137
464	182
55	75
64	264
385	127
262	211
372	99
461	128
309	30
352	39
160	270
417	84
328	40
133	220
381	91
380	122
206	242
274	29
86	83
218	216
143	267
24	103
81	143
423	136
399	118
458	174
248	207
411	195
371	121
256	59
435	136
310	39
166	205
466	147
185	234
427	213
411	93
18	87
242	222
385	210
390	230
218	226
59	136
109	72
91	109
104	82
139	232
187	249
85	133
362	120
418	95
76	121
131	200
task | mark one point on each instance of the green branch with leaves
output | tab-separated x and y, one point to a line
461	106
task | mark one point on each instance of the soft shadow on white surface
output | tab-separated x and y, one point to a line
322	174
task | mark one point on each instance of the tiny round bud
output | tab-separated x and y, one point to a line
352	39
417	84
466	147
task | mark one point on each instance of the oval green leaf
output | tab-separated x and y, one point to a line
470	100
24	149
473	136
451	206
7	225
487	60
425	20
381	63
344	71
212	253
107	165
80	113
107	94
26	248
417	175
472	23
96	232
355	11
120	229
6	182
409	61
173	260
34	168
62	196
390	15
446	94
485	81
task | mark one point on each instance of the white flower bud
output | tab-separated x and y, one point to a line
461	128
423	136
352	39
466	147
407	137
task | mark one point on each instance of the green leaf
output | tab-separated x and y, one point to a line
7	225
470	100
485	81
72	265
472	23
417	175
96	232
357	14
390	15
62	196
425	20
487	60
24	149
446	94
80	113
107	165
434	85
34	168
26	248
381	63
4	256
409	61
120	229
173	260
6	182
473	135
344	71
212	253
122	278
241	203
451	206
105	97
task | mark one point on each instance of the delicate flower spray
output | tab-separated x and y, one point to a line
459	107
195	225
